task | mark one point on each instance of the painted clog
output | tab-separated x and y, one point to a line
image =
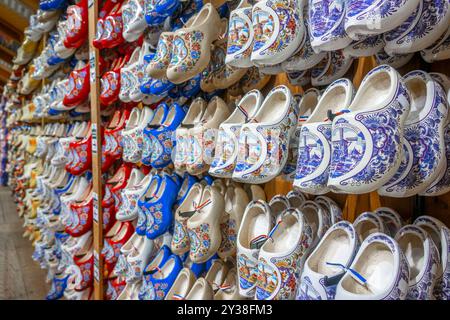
368	223
203	136
204	225
158	283
379	272
367	18
180	240
423	259
282	257
411	35
442	183
240	36
324	267
191	46
314	152
367	153
255	227
365	48
226	150
423	143
277	31
236	200
264	140
326	25
182	145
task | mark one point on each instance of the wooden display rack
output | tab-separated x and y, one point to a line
352	205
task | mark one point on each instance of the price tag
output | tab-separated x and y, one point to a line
90	3
93	75
94	138
95	199
96	267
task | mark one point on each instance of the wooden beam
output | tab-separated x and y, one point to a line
12	18
96	153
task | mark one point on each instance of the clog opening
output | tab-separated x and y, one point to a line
413	248
278	206
308	104
295	201
275	109
365	228
258	224
134	118
377	89
200	214
165	270
436	237
182	284
216	273
334	100
286	236
335	248
312	216
170	116
418	92
201	17
156	262
198	290
195	112
376	265
123	231
154	188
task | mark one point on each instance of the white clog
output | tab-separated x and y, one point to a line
326	25
314	152
277	30
226	151
423	259
423	144
378	272
264	140
372	17
326	265
255	227
240	36
421	29
367	141
282	257
368	223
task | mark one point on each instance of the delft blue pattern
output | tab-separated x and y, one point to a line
327	19
378	8
310	155
424	142
348	148
383	127
423	289
431	13
442	288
